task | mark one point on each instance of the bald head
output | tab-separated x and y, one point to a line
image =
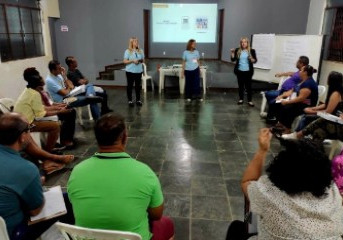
12	125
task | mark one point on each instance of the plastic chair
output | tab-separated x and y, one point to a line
145	78
6	105
321	92
95	234
263	112
3	230
79	114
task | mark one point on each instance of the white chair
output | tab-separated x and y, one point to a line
79	114
3	230
321	92
263	112
6	105
145	78
94	234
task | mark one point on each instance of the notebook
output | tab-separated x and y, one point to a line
54	206
330	117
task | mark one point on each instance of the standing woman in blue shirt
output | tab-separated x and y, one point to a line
133	58
191	71
245	57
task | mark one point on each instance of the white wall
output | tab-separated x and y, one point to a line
11	73
316	17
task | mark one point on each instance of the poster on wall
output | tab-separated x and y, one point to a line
292	49
264	45
64	28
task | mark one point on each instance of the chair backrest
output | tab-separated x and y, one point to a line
3	230
79	233
6	105
282	80
321	91
144	70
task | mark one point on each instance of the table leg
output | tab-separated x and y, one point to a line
161	81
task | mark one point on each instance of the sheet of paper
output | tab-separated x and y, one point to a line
330	117
292	50
77	90
264	45
54	205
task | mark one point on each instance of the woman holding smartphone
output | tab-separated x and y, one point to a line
133	58
191	71
245	57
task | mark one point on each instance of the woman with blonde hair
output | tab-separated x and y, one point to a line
191	71
133	58
245	57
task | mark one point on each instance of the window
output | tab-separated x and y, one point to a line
20	32
336	42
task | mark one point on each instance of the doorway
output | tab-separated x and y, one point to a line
220	33
146	22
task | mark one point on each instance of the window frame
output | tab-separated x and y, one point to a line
331	56
39	51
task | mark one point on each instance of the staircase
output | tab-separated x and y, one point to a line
108	74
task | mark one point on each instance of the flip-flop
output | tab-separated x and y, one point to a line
50	167
67	158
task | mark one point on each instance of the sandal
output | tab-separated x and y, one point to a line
50	167
65	158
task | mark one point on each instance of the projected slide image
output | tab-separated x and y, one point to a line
202	23
181	22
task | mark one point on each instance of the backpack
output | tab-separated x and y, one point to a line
337	171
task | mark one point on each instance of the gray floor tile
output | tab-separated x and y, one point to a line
176	205
208	186
206	207
209	229
176	184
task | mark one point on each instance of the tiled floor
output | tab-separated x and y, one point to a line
198	150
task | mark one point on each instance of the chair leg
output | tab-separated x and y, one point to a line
89	113
152	85
79	115
263	105
334	146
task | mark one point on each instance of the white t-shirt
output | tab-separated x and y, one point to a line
281	216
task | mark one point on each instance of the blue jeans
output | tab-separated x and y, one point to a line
272	95
83	101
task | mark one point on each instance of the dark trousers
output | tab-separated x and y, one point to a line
238	231
192	84
322	129
67	126
287	113
134	79
244	84
104	103
32	232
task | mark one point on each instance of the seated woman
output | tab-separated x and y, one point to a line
67	120
306	96
297	198
333	99
30	105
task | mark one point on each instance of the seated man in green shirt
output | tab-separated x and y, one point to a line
115	192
